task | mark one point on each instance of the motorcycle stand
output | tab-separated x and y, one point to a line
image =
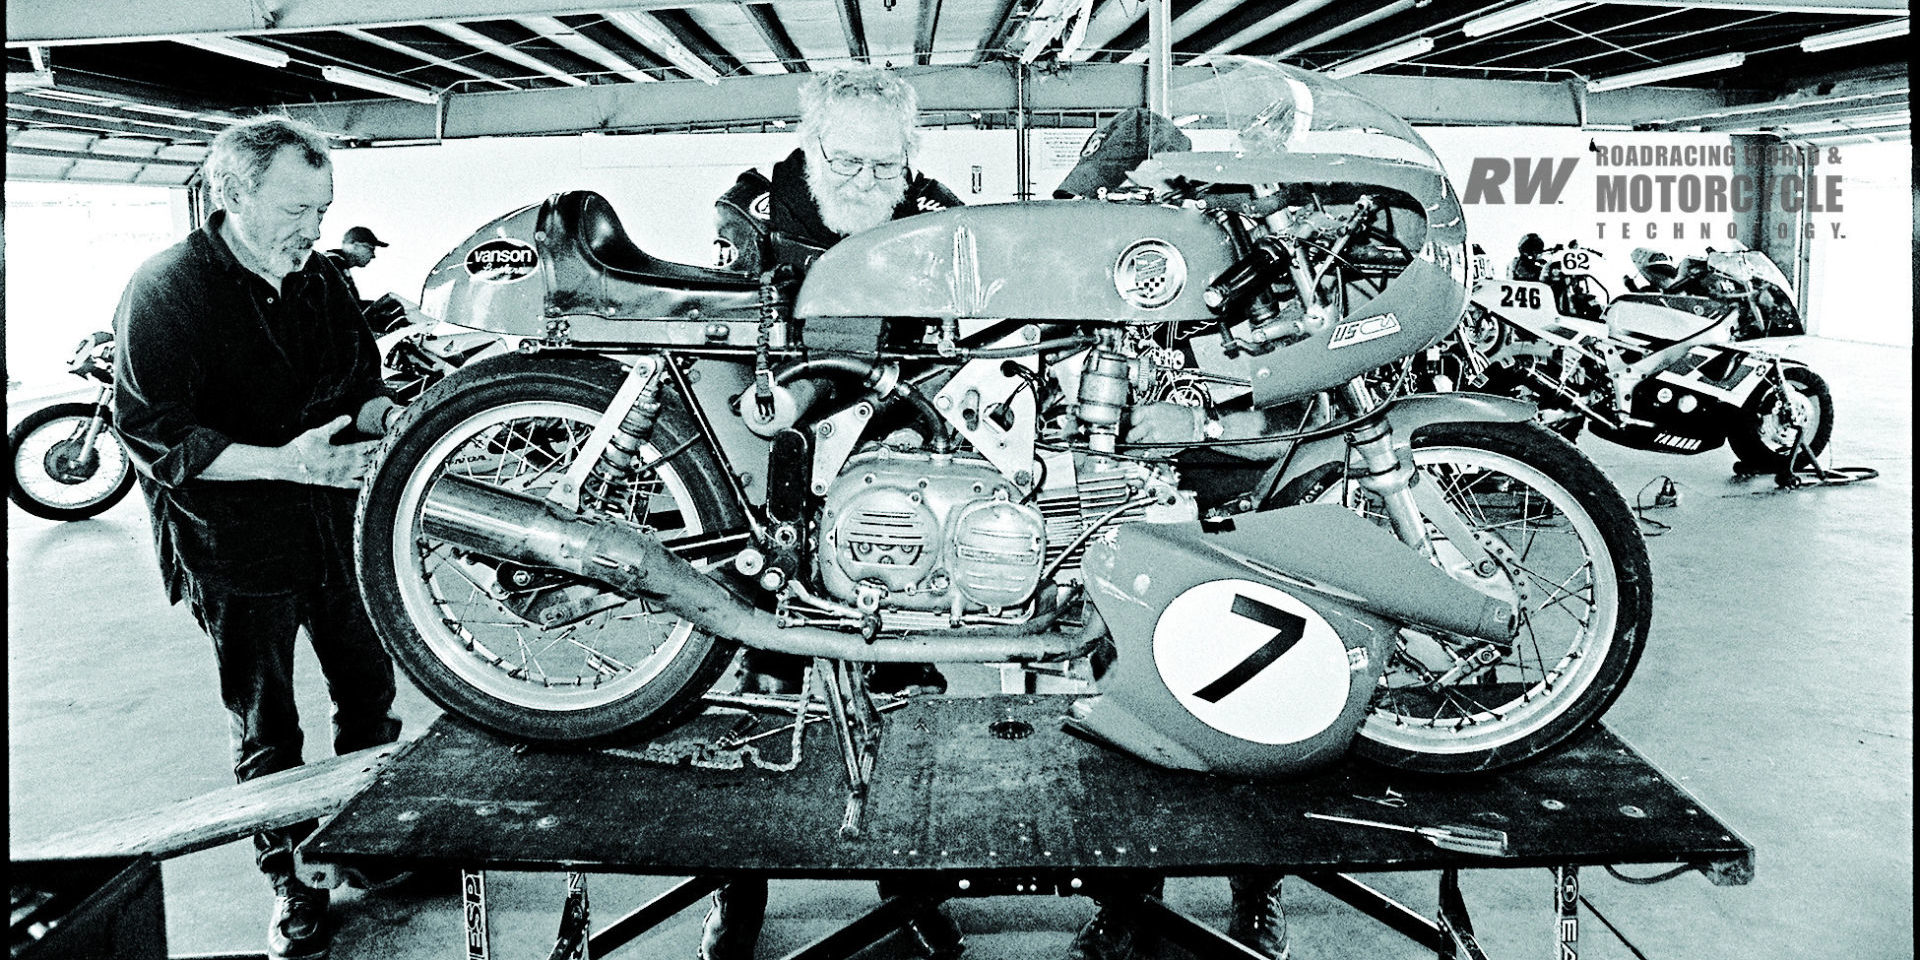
1803	469
856	723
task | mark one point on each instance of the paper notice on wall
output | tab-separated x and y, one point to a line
1052	153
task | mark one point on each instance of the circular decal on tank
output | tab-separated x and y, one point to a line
1251	661
1150	273
502	261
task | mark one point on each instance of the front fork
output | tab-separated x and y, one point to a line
1415	505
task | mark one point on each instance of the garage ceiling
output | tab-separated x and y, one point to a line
131	90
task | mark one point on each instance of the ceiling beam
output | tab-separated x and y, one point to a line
775	35
962	89
175	122
582	45
368	36
38	115
854	28
41	23
924	27
480	41
134	159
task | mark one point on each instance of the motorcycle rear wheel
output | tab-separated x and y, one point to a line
51	477
466	627
1568	541
1763	439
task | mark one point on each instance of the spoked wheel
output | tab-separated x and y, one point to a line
1799	403
1482	330
1565	541
66	466
527	651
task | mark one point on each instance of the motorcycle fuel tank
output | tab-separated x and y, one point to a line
1051	260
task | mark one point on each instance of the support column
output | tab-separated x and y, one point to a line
1159	54
1766	226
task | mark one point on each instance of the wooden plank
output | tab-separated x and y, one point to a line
951	797
306	792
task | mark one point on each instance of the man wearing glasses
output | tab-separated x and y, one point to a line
854	168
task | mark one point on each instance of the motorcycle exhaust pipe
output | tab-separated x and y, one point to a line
633	563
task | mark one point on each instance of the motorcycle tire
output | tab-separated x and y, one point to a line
1580	565
467	629
1762	440
1482	330
51	478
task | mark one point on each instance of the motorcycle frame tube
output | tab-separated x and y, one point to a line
1405	417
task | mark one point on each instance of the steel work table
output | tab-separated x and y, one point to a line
956	809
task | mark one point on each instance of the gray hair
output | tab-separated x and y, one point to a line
241	153
824	94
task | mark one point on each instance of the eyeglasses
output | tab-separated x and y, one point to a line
850	167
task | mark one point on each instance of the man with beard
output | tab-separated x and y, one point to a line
854	168
852	172
243	359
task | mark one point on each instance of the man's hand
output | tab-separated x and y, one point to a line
314	458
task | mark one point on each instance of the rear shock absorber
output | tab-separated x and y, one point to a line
611	479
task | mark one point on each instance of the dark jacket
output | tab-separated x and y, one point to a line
210	354
795	217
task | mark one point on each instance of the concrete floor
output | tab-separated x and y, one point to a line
1778	688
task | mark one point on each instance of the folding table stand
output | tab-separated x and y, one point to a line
990	796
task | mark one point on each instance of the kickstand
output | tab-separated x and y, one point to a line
856	722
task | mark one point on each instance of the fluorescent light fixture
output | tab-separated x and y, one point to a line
369	82
1514	16
24	80
661	40
242	50
1393	54
1847	38
1725	61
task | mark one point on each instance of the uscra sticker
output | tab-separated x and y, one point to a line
502	261
1150	273
1252	661
1366	328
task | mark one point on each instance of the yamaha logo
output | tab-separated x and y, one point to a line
1150	274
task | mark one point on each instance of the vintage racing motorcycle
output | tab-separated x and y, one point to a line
1133	429
1748	280
1652	371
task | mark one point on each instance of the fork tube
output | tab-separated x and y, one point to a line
1383	473
100	402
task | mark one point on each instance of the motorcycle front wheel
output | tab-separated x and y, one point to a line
56	474
1566	541
528	652
1763	437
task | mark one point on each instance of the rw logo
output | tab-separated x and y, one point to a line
1535	179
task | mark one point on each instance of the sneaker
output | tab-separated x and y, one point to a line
936	935
1108	936
733	922
1257	918
298	928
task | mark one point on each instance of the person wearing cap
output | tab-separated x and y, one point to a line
357	249
1529	264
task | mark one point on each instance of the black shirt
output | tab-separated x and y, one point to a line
211	354
340	262
795	216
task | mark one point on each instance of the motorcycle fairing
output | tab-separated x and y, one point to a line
1254	652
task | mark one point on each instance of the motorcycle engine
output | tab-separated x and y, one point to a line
930	532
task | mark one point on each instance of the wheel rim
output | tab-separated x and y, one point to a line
1568	616
1786	409
51	468
481	632
1481	329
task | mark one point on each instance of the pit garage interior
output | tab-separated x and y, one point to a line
1776	685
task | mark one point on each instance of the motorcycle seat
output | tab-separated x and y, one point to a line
598	268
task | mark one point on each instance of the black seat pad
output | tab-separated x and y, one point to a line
583	222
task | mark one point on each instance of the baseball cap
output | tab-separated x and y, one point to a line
362	235
1117	148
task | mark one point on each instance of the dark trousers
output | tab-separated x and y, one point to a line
253	639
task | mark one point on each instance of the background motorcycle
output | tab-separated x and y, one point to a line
566	542
66	461
1651	371
1747	279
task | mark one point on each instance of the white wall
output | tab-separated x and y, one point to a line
1861	280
